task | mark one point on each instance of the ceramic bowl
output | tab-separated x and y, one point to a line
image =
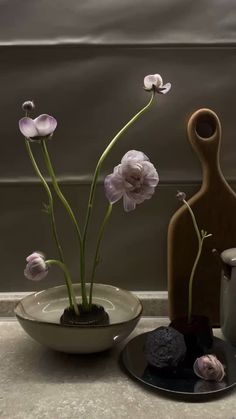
39	315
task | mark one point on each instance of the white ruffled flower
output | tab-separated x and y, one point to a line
134	179
155	82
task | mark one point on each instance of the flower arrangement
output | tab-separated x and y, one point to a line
181	349
196	328
134	180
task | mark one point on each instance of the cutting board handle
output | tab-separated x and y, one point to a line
204	134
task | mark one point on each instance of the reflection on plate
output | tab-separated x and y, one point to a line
134	360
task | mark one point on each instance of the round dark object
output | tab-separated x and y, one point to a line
198	336
96	316
165	348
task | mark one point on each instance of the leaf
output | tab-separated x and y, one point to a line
46	208
98	260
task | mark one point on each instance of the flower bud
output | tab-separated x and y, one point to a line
28	106
36	268
181	196
208	367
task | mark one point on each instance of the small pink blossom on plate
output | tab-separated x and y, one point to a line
208	367
134	179
39	128
36	268
155	82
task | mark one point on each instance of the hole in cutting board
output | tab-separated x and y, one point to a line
205	126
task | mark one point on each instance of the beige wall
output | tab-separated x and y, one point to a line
84	63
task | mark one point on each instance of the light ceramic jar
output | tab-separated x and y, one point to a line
228	295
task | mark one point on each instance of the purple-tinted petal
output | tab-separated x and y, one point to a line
141	196
152	80
151	176
151	181
165	89
129	204
34	255
27	127
113	188
159	81
36	277
149	81
131	170
27	273
36	268
45	125
134	156
40	275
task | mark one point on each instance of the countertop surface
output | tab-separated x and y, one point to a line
38	383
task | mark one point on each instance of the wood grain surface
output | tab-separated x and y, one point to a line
214	206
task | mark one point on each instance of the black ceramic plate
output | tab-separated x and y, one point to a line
134	361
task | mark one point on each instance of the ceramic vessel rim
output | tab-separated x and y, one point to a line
31	320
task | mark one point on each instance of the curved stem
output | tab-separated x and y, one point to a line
194	222
72	299
96	257
52	218
190	287
200	243
50	199
72	217
99	165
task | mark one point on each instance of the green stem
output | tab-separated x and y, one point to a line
200	243
72	299
96	258
50	199
190	287
194	222
72	217
52	216
99	165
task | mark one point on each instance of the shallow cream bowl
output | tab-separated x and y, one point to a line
39	315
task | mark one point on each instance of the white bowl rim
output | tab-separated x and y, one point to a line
32	320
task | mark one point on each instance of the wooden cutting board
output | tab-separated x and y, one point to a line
215	209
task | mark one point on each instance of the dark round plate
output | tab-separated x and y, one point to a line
134	361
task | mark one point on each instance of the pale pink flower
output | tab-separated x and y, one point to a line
208	367
36	268
155	82
39	128
134	179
